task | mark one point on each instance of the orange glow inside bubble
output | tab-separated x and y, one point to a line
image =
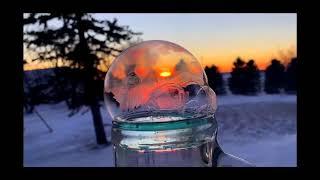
165	73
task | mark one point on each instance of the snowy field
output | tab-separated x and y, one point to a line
260	129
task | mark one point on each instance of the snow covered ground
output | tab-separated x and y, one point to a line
260	129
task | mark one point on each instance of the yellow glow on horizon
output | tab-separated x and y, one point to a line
262	57
222	59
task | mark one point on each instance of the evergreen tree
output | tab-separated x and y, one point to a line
215	79
237	80
274	77
82	42
291	76
245	78
252	76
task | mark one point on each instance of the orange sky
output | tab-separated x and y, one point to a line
224	63
261	57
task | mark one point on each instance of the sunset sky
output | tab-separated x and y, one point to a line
220	38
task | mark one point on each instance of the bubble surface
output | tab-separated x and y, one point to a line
155	78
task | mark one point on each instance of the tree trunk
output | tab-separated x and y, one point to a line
89	85
98	124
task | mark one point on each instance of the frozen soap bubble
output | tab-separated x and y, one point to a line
154	80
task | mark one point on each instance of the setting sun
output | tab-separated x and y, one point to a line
165	74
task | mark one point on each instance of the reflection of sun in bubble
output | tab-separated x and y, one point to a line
155	76
165	73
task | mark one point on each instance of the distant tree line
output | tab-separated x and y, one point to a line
245	78
42	86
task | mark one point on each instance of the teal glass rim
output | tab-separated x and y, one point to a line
158	126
